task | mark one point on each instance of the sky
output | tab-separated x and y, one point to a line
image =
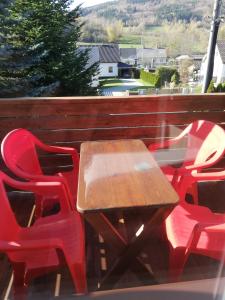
87	3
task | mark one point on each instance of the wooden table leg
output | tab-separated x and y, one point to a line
117	242
132	250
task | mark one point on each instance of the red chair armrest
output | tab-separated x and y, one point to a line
30	245
61	150
49	189
209	175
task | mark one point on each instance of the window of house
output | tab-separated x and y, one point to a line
110	69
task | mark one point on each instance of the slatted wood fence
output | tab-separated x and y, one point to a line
71	121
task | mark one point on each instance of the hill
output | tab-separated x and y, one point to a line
151	12
181	26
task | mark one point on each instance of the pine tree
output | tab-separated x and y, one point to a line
5	51
45	57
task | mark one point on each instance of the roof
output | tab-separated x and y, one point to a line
151	52
109	53
93	54
128	53
183	57
102	53
221	48
197	56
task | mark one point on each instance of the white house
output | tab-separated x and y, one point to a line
107	56
128	55
151	57
219	63
147	57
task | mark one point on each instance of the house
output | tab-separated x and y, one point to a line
146	57
196	66
219	63
151	57
128	56
125	70
107	56
93	58
189	64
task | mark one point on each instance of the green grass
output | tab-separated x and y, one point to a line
198	89
88	44
145	84
152	28
133	39
111	82
130	46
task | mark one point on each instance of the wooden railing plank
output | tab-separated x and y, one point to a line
107	120
102	105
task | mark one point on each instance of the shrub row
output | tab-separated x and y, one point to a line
151	78
162	75
220	88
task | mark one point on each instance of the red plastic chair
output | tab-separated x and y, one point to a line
205	146
48	244
194	229
19	153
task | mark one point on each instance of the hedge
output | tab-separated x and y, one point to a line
161	75
151	78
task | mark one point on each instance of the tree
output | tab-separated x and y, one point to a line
45	54
184	65
175	78
114	31
8	85
165	74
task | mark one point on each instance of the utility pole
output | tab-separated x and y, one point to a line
212	45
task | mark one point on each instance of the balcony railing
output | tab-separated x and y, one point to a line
71	121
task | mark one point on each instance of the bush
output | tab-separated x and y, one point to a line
151	78
211	88
219	88
165	74
175	78
162	75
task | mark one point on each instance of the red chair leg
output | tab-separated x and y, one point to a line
19	287
195	192
177	261
78	274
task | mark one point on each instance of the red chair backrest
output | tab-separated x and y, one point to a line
204	140
8	224
19	151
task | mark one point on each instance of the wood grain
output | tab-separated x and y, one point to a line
120	174
70	121
92	121
101	105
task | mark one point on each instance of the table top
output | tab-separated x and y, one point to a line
120	174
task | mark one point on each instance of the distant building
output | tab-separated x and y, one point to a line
146	57
183	57
151	57
219	63
128	55
108	57
192	64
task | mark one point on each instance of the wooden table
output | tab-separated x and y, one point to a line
119	175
